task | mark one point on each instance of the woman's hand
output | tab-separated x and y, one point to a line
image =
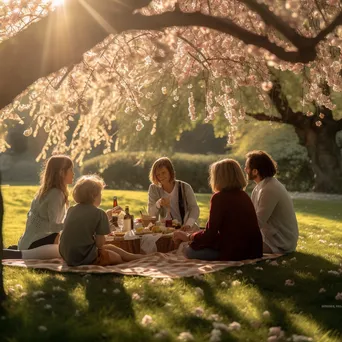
165	202
178	235
185	228
110	212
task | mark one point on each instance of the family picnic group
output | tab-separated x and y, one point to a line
238	227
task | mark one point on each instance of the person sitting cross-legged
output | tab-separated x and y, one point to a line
83	238
273	204
232	231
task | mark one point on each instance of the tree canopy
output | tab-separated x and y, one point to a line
81	63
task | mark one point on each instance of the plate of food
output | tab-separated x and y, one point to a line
119	234
176	224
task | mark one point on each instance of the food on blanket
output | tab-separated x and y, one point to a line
145	232
147	219
156	229
176	224
139	230
169	230
142	231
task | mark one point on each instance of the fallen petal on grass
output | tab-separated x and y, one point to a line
215	335
162	334
276	331
266	314
185	336
301	338
236	283
338	296
136	296
234	326
167	281
221	326
40	300
214	317
199	291
199	312
147	320
289	282
58	289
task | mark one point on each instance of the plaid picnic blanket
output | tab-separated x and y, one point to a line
157	265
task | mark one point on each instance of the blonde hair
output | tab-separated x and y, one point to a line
53	175
159	163
87	188
226	174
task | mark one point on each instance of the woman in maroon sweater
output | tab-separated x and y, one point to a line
232	231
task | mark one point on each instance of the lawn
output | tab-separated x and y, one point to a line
112	308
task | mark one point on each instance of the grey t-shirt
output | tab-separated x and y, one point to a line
82	223
44	218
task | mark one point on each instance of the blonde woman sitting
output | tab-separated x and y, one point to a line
232	231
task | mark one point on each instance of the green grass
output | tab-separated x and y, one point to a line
83	312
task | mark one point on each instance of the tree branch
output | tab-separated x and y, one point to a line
61	38
264	117
336	22
279	100
271	19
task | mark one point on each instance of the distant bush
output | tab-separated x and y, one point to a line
19	169
130	170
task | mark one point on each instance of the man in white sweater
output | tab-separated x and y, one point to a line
273	204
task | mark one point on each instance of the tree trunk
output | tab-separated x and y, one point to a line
2	290
325	157
317	133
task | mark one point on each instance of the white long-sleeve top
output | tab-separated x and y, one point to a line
45	217
155	193
276	216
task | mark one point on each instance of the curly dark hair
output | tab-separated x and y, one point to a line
263	162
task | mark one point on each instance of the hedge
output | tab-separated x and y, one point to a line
130	170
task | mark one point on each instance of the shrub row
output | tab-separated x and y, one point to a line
130	170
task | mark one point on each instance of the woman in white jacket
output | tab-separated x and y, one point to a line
166	193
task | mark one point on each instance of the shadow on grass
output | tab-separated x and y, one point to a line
310	274
72	307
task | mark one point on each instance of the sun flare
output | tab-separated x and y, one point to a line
57	3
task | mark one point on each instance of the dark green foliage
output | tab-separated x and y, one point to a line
130	170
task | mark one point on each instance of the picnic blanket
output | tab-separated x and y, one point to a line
157	265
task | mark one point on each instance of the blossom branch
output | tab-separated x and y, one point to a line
264	117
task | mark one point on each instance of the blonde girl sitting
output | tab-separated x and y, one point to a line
83	239
47	212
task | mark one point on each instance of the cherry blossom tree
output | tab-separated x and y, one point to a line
82	63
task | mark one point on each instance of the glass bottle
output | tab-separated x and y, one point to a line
115	216
127	220
168	218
